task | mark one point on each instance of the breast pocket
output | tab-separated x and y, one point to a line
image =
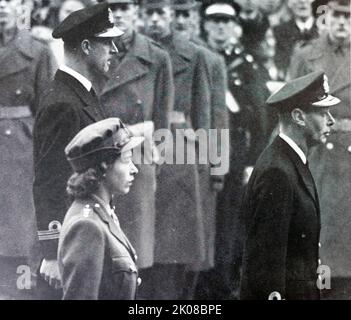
125	276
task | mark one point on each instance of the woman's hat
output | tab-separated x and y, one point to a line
97	141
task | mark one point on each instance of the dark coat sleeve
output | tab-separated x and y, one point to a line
267	238
201	104
55	126
46	69
82	260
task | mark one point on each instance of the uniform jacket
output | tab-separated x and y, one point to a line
330	163
26	66
289	37
282	227
179	218
96	260
140	88
65	108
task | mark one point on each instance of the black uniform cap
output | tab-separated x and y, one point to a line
311	89
94	21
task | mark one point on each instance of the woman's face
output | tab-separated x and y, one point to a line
120	175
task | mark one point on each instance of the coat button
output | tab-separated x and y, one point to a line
237	82
139	281
330	146
303	236
349	149
135	257
139	101
18	92
319	244
8	132
96	205
319	261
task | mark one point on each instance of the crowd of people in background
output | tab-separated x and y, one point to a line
181	64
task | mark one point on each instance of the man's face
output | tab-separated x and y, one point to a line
157	22
8	13
318	122
338	24
184	21
101	53
125	15
301	9
220	29
269	6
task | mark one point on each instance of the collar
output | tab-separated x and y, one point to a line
294	146
107	208
83	80
307	25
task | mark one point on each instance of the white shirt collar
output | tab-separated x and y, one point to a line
83	80
308	24
295	147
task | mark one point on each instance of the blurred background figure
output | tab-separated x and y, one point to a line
139	89
245	97
330	163
179	230
276	11
295	33
187	23
26	66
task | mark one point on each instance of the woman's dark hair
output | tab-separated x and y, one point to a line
83	184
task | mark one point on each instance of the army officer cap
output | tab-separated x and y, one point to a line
95	21
311	90
99	141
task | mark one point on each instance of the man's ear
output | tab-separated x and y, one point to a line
298	116
86	46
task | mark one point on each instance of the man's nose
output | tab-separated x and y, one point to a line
134	169
155	17
117	13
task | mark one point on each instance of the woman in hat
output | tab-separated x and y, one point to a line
96	260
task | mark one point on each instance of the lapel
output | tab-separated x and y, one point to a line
180	51
301	169
18	55
133	66
113	227
91	104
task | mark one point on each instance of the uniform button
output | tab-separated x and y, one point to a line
139	281
18	92
237	50
135	257
330	146
249	58
303	236
349	149
319	261
319	244
139	101
8	132
237	82
96	205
